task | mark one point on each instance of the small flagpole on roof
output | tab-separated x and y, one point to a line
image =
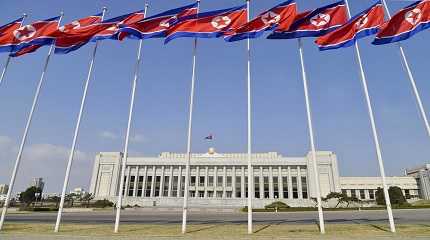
190	127
75	136
311	137
27	127
411	77
374	131
6	65
249	156
127	136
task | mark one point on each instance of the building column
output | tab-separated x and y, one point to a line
290	184
233	182
136	180
145	174
170	182
366	194
179	182
224	182
215	181
299	183
280	183
154	174
242	183
261	183
271	195
206	181
127	181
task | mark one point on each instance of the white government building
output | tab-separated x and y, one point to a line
218	179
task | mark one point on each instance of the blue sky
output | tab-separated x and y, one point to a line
160	122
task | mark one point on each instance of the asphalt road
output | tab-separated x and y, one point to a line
148	216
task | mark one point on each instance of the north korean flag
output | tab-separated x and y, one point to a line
313	23
157	25
363	24
76	34
405	23
37	33
209	24
283	13
6	34
110	27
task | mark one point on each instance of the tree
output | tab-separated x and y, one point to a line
29	195
87	197
277	205
339	196
395	193
55	199
70	198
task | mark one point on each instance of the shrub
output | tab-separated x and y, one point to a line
396	196
102	203
277	205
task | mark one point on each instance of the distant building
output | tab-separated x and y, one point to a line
220	179
422	176
39	183
4	188
78	191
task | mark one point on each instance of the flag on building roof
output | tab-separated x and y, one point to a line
313	23
157	25
111	26
76	34
405	23
209	137
363	24
30	37
209	24
6	34
283	13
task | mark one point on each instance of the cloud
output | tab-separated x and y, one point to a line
45	160
138	138
108	135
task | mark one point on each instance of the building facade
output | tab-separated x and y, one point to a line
422	176
220	179
4	188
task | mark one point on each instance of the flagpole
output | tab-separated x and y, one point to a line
24	137
374	131
6	65
127	136
250	170
190	126
75	137
311	136
411	78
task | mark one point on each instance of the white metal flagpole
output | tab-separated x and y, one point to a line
374	132
6	65
311	136
190	127
24	137
127	136
411	78
249	156
75	137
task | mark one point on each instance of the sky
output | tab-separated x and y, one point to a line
340	117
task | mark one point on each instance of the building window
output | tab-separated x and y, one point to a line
192	194
238	187
166	186
175	186
285	186
140	186
148	186
210	181
193	181
256	187
210	194
202	181
246	187
304	187
228	194
123	185
229	179
182	186
219	194
219	181
344	192
266	187
353	193
201	194
407	194
275	187
294	183
362	195
131	185
371	194
157	186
